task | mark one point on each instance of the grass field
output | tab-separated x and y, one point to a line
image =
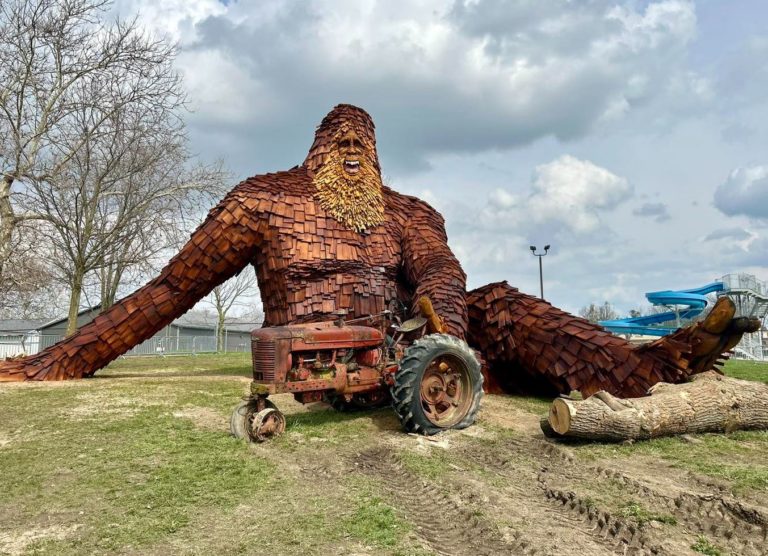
138	460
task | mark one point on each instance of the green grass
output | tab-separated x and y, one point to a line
703	546
375	523
642	516
139	459
747	370
125	460
150	475
204	364
533	404
432	465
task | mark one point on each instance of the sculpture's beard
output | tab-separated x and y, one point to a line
355	200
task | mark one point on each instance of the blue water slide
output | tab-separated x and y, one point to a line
693	302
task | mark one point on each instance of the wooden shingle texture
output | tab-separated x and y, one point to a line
309	265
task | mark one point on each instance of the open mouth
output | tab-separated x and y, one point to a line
351	166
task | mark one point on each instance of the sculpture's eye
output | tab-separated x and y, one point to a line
345	143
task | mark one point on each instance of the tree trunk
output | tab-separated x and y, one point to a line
7	220
110	277
220	332
74	301
710	402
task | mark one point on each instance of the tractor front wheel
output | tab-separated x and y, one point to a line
250	424
438	385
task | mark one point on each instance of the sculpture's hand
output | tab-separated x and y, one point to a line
11	369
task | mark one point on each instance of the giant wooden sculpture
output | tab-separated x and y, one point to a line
327	235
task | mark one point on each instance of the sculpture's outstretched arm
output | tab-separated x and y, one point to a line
222	246
530	344
432	269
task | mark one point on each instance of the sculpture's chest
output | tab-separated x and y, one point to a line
306	241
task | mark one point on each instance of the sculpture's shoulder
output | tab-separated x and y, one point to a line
275	185
265	192
411	208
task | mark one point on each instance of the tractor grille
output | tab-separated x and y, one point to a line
263	359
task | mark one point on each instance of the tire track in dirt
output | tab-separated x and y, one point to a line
731	523
615	534
450	528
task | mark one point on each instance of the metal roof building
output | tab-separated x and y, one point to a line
187	334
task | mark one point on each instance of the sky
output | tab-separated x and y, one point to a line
630	136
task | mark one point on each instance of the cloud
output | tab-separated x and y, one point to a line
736	234
574	192
480	92
565	196
462	77
737	133
745	192
563	204
658	211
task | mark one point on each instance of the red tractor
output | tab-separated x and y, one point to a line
434	381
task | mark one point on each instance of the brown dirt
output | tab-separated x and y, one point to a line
16	542
524	494
498	487
505	489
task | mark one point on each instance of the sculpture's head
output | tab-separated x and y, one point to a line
345	168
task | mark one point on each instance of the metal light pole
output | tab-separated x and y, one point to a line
541	271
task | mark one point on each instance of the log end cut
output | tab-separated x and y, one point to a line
560	416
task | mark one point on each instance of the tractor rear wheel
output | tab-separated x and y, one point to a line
438	386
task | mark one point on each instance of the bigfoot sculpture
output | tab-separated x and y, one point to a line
327	235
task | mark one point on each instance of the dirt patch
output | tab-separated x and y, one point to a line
4	440
99	404
204	418
501	411
16	542
447	525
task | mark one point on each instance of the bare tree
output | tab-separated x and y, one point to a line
228	295
121	202
91	142
596	313
29	288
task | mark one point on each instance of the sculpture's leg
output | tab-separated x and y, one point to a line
218	249
527	341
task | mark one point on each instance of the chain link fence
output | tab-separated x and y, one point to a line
29	344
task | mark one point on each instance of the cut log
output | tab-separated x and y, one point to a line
710	402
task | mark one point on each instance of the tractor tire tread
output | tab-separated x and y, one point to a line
407	382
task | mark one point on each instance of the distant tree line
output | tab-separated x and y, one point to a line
596	312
